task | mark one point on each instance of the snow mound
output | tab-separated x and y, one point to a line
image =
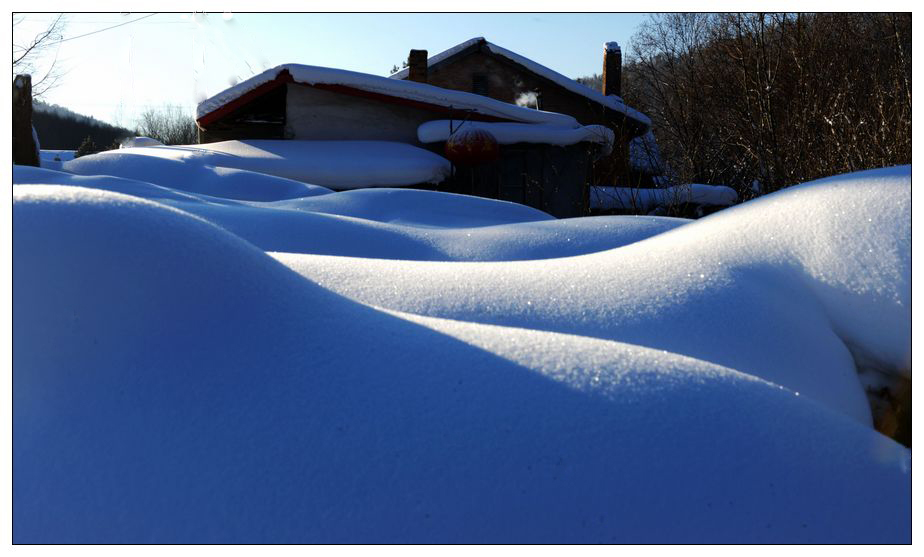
387	223
200	392
336	164
792	287
139	142
170	167
54	158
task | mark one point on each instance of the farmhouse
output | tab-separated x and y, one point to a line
538	158
485	68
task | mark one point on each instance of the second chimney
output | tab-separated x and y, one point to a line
612	69
417	66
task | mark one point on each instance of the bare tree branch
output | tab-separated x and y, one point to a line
28	59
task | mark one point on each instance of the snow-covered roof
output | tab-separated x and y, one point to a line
409	90
612	102
507	133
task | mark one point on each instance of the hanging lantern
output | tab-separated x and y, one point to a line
469	147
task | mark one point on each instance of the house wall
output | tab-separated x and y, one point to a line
550	178
318	114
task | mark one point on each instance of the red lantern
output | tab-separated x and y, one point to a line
472	146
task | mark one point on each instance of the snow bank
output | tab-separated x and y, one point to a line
139	142
506	133
609	197
57	154
53	158
458	100
196	391
337	164
785	288
173	167
388	223
612	102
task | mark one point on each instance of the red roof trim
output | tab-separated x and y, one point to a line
285	77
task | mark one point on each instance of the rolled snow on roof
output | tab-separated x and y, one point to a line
507	133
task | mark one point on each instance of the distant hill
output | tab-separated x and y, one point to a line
60	128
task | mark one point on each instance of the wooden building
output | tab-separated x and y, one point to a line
543	160
481	67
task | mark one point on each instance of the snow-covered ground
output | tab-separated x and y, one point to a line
205	353
54	158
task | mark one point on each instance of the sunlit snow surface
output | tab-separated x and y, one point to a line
409	366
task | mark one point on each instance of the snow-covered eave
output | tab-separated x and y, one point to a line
510	133
371	85
609	101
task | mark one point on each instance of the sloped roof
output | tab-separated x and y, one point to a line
377	87
609	101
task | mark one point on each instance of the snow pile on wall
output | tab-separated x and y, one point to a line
458	100
507	133
173	383
610	101
609	197
335	164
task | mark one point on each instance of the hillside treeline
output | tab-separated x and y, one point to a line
774	98
60	128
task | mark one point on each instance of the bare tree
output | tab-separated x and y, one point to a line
777	98
29	54
171	125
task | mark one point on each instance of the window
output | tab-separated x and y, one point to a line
480	84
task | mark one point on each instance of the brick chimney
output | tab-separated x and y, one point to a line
612	69
417	66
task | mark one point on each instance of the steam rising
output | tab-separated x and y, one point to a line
528	99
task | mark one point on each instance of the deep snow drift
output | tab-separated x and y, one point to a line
662	381
337	164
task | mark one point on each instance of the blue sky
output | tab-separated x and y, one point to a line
179	59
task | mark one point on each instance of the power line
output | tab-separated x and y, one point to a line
101	30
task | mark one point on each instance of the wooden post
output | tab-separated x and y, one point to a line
25	151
